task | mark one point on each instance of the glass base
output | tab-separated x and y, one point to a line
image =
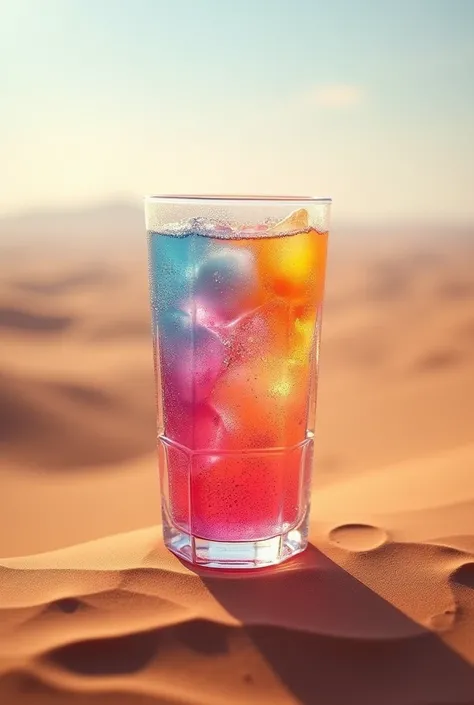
236	554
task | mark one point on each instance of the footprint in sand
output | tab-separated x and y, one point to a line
464	575
68	605
358	537
444	621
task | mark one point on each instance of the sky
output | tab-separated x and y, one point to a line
370	102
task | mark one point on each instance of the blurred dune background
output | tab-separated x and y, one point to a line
371	103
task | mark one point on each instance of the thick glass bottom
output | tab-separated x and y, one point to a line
236	554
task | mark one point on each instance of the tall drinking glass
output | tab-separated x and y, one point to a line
236	295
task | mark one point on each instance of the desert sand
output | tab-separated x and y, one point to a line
93	609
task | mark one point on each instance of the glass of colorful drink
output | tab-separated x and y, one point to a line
236	289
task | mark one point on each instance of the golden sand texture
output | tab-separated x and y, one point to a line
378	611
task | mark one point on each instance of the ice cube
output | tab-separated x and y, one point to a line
226	282
293	267
296	222
262	403
262	331
197	226
192	356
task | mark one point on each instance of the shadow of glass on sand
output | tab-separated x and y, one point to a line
332	640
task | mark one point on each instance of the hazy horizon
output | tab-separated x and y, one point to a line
119	224
135	204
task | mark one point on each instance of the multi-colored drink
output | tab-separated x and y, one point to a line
236	317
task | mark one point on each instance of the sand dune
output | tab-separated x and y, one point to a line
59	424
339	624
21	320
59	284
94	610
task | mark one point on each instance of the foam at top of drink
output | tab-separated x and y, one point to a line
296	222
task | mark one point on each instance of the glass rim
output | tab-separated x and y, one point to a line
235	199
